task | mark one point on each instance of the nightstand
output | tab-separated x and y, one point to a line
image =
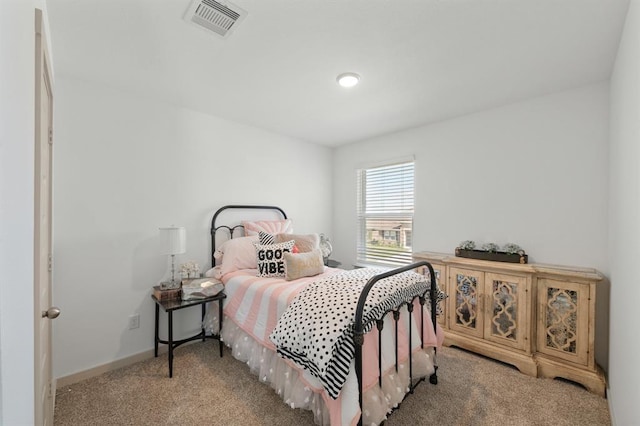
173	305
333	263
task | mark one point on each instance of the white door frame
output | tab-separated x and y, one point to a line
44	389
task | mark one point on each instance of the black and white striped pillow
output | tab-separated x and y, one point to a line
266	238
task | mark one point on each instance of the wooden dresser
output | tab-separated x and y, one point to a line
539	318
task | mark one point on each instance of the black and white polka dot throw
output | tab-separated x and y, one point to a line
316	330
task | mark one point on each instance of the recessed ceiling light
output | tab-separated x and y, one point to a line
348	79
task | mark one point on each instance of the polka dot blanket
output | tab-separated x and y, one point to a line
316	330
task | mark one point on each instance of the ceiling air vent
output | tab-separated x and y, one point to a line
219	17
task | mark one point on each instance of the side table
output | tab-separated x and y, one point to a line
173	305
333	263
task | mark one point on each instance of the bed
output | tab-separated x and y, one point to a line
275	325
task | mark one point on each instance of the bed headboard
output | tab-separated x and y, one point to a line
232	217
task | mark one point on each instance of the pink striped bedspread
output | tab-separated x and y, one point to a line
255	304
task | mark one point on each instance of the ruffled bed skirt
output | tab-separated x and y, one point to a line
301	390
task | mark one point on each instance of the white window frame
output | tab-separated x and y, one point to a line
392	201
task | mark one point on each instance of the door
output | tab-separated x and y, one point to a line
466	302
43	389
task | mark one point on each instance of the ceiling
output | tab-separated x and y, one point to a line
420	61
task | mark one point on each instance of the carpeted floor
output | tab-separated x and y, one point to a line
209	390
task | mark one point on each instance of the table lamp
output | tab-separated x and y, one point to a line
175	243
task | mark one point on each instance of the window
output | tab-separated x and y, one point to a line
385	214
389	235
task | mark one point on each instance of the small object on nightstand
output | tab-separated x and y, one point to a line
166	294
190	270
201	288
325	248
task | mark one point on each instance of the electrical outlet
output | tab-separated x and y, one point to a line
134	321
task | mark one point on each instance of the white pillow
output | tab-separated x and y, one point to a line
214	273
237	253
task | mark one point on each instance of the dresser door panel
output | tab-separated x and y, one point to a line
466	301
563	320
506	321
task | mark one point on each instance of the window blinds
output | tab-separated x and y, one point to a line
385	214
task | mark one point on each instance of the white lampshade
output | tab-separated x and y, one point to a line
176	239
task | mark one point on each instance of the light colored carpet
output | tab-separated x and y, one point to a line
209	390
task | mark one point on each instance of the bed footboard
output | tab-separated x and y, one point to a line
360	326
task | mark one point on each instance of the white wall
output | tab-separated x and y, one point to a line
532	173
126	165
16	225
624	222
17	68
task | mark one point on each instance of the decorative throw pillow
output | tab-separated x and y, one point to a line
270	258
266	238
269	226
215	272
237	253
304	243
303	264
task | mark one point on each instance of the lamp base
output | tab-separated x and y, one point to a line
169	285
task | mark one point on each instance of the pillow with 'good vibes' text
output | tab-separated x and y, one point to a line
270	258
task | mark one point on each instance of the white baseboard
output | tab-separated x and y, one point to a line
105	368
609	399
